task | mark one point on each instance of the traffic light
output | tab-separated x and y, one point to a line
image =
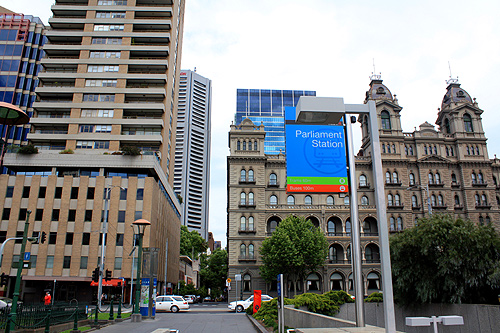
4	279
43	237
95	275
108	275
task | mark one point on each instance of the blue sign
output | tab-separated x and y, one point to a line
27	255
279	284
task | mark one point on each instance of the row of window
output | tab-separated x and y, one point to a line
467	119
102	68
98	98
42	191
290	200
105	55
242	145
110	15
472	150
109	27
97	113
112	2
101	83
92	144
106	40
66	262
388	149
244	178
95	128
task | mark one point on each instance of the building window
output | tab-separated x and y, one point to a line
243	223
251	251
468	123
250	223
90	193
247	282
26	192
39	215
414	202
250	199
86	238
273	179
84	262
397	202
140	194
271	226
58	193
243	175
479	178
243	199
123	194
362	180
364	200
447	126
400	224
348	227
484	201
308	200
6	214
395	177
412	179
42	191
453	178
386	120
290	200
67	262
55	214
10	192
69	238
388	177
88	215
119	239
392	224
52	237
273	200
243	251
457	200
390	201
312	282
121	216
440	200
50	262
433	200
250	175
118	263
473	178
329	200
346	200
437	178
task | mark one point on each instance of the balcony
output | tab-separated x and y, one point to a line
339	261
273	184
247	258
393	183
458	207
440	207
336	234
436	184
247	181
455	184
371	261
367	185
416	207
483	206
479	183
247	231
395	206
250	204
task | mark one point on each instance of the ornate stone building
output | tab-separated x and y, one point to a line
448	164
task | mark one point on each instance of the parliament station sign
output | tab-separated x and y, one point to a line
316	158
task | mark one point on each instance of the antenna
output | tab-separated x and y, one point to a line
375	76
451	79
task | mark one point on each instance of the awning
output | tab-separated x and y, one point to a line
110	283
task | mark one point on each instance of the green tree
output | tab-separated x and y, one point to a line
295	249
445	260
213	271
192	244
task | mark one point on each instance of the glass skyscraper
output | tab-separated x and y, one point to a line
268	107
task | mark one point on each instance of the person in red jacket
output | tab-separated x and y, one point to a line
47	299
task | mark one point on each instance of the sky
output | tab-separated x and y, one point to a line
332	47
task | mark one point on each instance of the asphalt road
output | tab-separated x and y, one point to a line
201	318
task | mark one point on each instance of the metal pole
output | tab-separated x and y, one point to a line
138	281
132	273
54	292
15	298
429	206
355	234
166	260
385	256
103	245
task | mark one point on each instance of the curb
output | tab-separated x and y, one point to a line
257	325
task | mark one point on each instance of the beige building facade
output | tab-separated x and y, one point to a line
450	161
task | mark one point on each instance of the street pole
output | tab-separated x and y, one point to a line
355	233
132	272
138	278
429	206
166	260
103	245
15	298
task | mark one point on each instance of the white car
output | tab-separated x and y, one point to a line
172	303
243	305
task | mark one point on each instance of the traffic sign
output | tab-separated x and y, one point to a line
228	280
27	255
237	277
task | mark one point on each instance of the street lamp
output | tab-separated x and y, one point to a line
140	225
424	187
10	115
329	111
103	245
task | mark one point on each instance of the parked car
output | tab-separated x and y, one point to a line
207	299
173	303
243	305
191	299
7	302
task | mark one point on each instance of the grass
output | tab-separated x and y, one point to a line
101	316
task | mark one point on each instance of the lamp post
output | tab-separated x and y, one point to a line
424	187
329	111
141	225
10	115
103	245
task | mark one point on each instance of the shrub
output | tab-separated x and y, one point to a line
28	149
67	151
130	150
375	298
316	303
339	297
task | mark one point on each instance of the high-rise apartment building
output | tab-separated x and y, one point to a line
449	163
192	150
104	124
21	48
267	107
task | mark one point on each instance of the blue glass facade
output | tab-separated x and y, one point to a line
268	107
21	43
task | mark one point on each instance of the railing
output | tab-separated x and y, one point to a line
436	184
247	258
479	183
247	231
340	261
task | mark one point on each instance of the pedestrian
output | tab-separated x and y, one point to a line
47	299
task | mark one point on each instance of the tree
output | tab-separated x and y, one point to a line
192	244
295	249
213	271
445	260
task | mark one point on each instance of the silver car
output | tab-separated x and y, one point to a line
172	303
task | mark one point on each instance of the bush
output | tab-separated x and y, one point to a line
375	298
28	149
130	150
316	303
67	151
339	297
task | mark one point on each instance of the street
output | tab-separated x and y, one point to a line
201	318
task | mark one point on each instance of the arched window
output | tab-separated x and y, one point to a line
411	150
243	175
386	120
433	200
250	251
390	201
247	282
468	150
273	179
414	201
249	145
346	200
362	180
473	178
437	178
392	224
440	200
348	227
435	150
406	150
364	200
250	199
373	280
273	200
393	149
243	251
484	201
329	200
431	178
238	145
336	282
397	201
255	145
479	178
331	228
244	145
387	177
488	220
447	126
383	148
290	200
250	223
348	253
394	177
477	150
451	151
457	201
250	175
468	123
312	282
243	223
308	200
453	178
243	198
476	198
412	179
272	225
481	220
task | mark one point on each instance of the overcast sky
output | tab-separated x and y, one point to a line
329	46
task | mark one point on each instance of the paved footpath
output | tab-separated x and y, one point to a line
197	320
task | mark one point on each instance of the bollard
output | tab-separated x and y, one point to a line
111	316
7	328
75	326
47	322
96	322
119	310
